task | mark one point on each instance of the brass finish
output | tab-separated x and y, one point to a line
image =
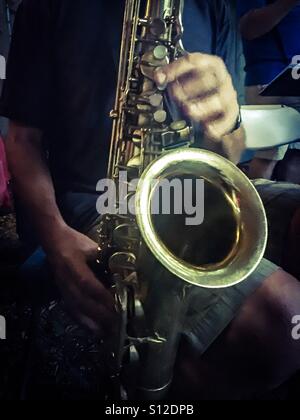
156	260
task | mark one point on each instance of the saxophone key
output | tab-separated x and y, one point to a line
126	236
122	262
156	100
158	27
160	116
160	52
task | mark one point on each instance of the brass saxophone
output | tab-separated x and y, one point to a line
154	262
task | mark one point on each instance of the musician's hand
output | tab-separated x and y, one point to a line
86	298
202	86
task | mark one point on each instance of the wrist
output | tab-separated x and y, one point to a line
52	234
238	122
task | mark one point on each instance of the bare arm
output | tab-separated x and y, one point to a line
231	146
33	183
68	251
259	22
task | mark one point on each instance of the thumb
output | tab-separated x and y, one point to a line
92	250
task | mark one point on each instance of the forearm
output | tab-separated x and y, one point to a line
231	146
259	22
33	184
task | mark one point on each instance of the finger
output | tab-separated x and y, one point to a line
210	64
82	319
90	324
217	129
194	85
93	288
206	110
202	62
168	74
90	286
92	250
95	311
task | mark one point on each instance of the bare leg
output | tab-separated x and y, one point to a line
292	253
262	168
254	355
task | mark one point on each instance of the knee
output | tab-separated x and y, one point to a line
279	300
264	330
295	225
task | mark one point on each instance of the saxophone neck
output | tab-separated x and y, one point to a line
163	8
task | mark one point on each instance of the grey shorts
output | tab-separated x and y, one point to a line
211	311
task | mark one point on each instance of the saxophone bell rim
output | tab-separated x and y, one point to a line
249	249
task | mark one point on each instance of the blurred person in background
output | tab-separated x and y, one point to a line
8	9
270	31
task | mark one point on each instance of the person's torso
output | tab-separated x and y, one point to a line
86	40
268	55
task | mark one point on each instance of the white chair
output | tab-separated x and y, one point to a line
269	126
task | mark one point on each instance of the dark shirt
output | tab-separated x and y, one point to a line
62	78
268	55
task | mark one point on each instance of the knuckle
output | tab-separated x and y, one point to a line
210	82
219	62
66	260
215	131
230	89
190	57
215	105
82	281
195	58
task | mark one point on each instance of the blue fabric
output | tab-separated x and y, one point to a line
72	103
62	76
38	280
268	55
69	93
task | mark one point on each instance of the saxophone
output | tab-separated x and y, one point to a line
155	261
